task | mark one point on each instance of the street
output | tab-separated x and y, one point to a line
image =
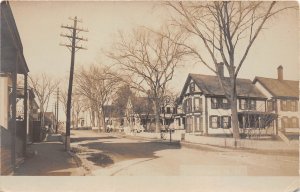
111	154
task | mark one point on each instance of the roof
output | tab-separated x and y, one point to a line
280	88
210	86
11	43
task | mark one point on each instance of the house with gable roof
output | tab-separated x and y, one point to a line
207	111
282	99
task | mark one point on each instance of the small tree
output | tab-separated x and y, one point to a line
148	61
226	31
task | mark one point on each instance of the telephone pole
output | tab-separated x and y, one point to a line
73	47
57	102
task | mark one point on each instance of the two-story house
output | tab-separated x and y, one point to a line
206	109
283	97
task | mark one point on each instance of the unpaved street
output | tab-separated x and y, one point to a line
109	154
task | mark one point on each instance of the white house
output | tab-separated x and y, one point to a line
207	111
283	97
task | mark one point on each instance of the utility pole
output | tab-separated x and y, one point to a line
74	38
57	99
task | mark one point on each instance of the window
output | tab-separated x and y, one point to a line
198	123
270	105
192	87
252	105
295	122
168	110
283	105
247	104
188	105
197	104
294	106
225	103
226	122
243	104
214	103
214	121
284	122
189	124
162	110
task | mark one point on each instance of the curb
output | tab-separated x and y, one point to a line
85	170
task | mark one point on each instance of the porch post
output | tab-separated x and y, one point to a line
13	118
25	114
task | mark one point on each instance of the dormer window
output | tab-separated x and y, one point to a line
192	87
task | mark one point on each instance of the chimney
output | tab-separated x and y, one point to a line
280	73
220	69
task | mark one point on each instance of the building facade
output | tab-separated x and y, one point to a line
282	99
207	111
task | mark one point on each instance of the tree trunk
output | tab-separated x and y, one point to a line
103	122
234	118
157	116
99	120
77	120
233	104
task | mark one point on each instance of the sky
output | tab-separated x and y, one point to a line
39	24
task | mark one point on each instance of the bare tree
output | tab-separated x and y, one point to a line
98	85
77	106
43	86
63	99
148	60
226	31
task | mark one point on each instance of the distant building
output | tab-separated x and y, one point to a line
282	99
139	112
204	109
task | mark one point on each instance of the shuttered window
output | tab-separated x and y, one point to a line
197	104
214	121
226	122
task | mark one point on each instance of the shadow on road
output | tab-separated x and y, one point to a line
100	159
75	140
110	153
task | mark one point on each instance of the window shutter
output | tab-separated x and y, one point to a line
296	108
297	122
219	121
200	104
229	121
240	103
210	121
288	105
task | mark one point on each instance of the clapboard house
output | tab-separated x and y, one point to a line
207	111
282	99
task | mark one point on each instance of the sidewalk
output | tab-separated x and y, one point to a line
48	158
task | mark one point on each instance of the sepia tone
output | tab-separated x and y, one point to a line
200	94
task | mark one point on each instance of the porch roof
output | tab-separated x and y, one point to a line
12	58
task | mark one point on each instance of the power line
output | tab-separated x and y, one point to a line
73	47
